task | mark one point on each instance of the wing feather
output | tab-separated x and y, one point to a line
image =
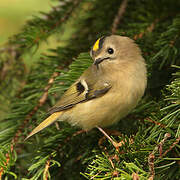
82	90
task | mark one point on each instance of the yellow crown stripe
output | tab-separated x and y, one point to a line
96	45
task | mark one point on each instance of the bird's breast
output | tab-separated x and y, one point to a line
126	91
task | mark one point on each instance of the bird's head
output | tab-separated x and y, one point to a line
114	49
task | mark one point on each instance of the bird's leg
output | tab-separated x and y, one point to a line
57	125
115	144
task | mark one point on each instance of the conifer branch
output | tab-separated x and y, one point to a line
45	174
60	21
171	147
73	135
119	16
151	156
149	29
7	161
18	133
41	102
135	176
40	28
155	122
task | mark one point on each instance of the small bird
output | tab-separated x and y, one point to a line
107	91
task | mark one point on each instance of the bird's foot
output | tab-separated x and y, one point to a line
114	143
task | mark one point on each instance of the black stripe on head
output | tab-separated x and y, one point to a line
101	41
98	44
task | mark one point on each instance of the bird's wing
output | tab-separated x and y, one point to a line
87	87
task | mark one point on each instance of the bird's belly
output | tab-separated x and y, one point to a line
103	111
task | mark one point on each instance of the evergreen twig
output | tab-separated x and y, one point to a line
149	29
151	156
171	147
135	176
155	122
46	169
18	134
119	16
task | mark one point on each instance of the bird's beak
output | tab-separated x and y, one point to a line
99	60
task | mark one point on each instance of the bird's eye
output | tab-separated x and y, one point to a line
110	50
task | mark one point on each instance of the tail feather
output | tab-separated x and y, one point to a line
51	119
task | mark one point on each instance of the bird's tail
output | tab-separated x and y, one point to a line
52	118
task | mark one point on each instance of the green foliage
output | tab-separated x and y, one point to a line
41	27
173	106
65	152
12	157
37	168
169	43
103	169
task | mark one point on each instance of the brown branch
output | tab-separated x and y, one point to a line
135	176
7	161
46	169
147	119
151	157
172	146
115	173
147	30
166	136
62	20
119	16
13	51
41	102
43	98
10	67
156	123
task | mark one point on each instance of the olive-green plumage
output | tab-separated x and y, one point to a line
107	91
